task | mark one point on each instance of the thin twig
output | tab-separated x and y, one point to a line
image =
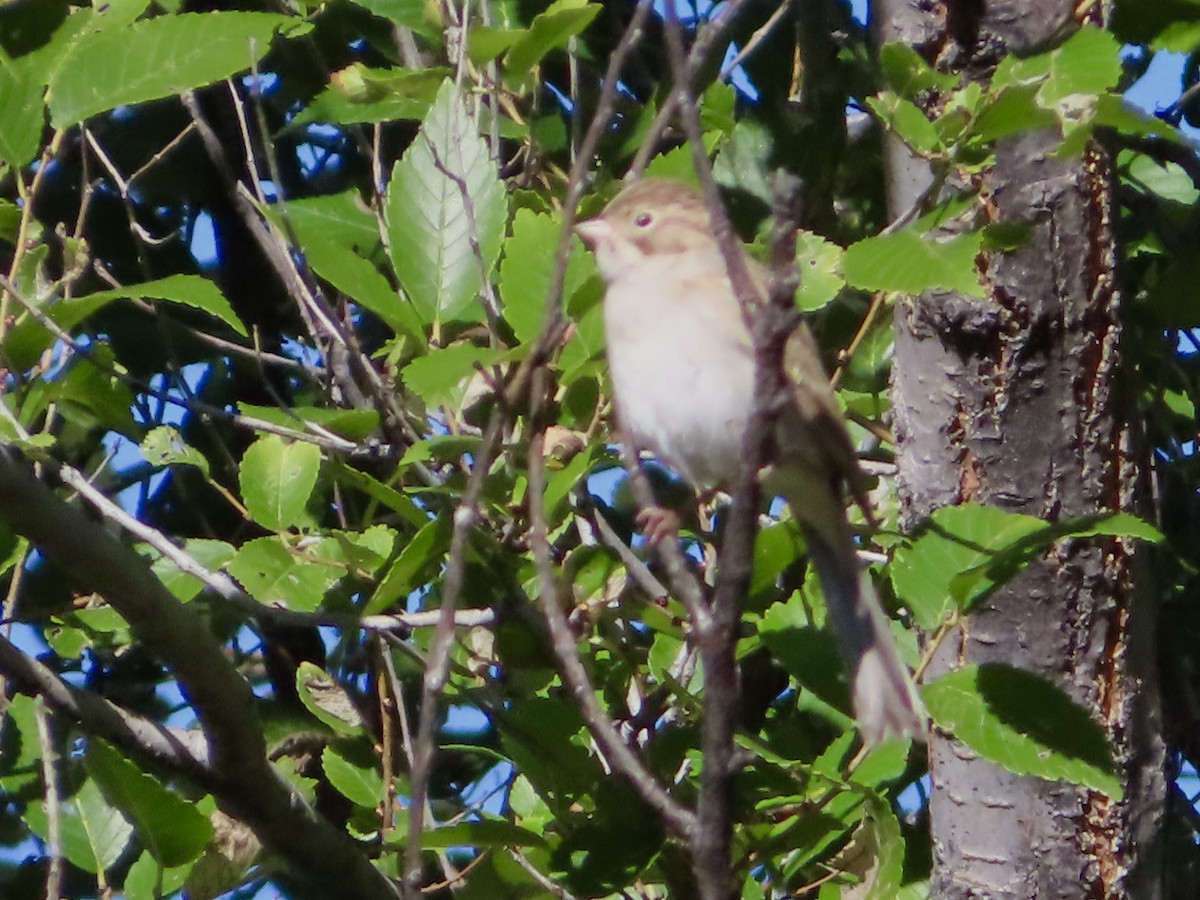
637	569
706	41
771	325
227	589
553	326
53	802
438	666
617	754
553	888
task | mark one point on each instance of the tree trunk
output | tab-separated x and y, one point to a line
1011	400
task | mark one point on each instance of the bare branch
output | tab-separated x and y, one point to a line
179	751
250	788
54	872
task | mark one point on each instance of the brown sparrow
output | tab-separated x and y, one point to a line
682	366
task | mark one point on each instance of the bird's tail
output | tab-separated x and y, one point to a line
885	698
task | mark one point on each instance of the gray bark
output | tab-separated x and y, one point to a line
1011	400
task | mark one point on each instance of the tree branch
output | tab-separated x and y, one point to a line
249	787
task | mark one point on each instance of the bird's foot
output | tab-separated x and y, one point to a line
658	524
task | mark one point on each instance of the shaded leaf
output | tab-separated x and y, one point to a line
327	700
486	833
1022	722
415	562
169	827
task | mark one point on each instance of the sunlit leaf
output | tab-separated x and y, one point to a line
446	211
277	479
174	54
910	263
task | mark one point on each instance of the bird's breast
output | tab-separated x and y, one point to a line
682	371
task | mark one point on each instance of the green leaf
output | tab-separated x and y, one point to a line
889	861
1178	37
804	650
1006	236
441	377
209	553
274	577
92	396
341	218
430	231
1118	524
487	833
745	161
22	753
527	268
405	13
189	290
550	30
361	95
906	121
106	830
169	827
360	784
1171	300
381	493
22	114
911	263
277	479
164	446
359	280
327	700
1167	180
416	562
1014	111
561	481
1088	63
820	263
1158	23
72	838
173	54
485	43
1024	723
443	448
353	424
960	539
969	549
147	880
907	73
363	551
1112	111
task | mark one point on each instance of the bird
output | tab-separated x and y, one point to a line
682	368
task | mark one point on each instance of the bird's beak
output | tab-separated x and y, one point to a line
593	232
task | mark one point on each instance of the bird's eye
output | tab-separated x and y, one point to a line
643	220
